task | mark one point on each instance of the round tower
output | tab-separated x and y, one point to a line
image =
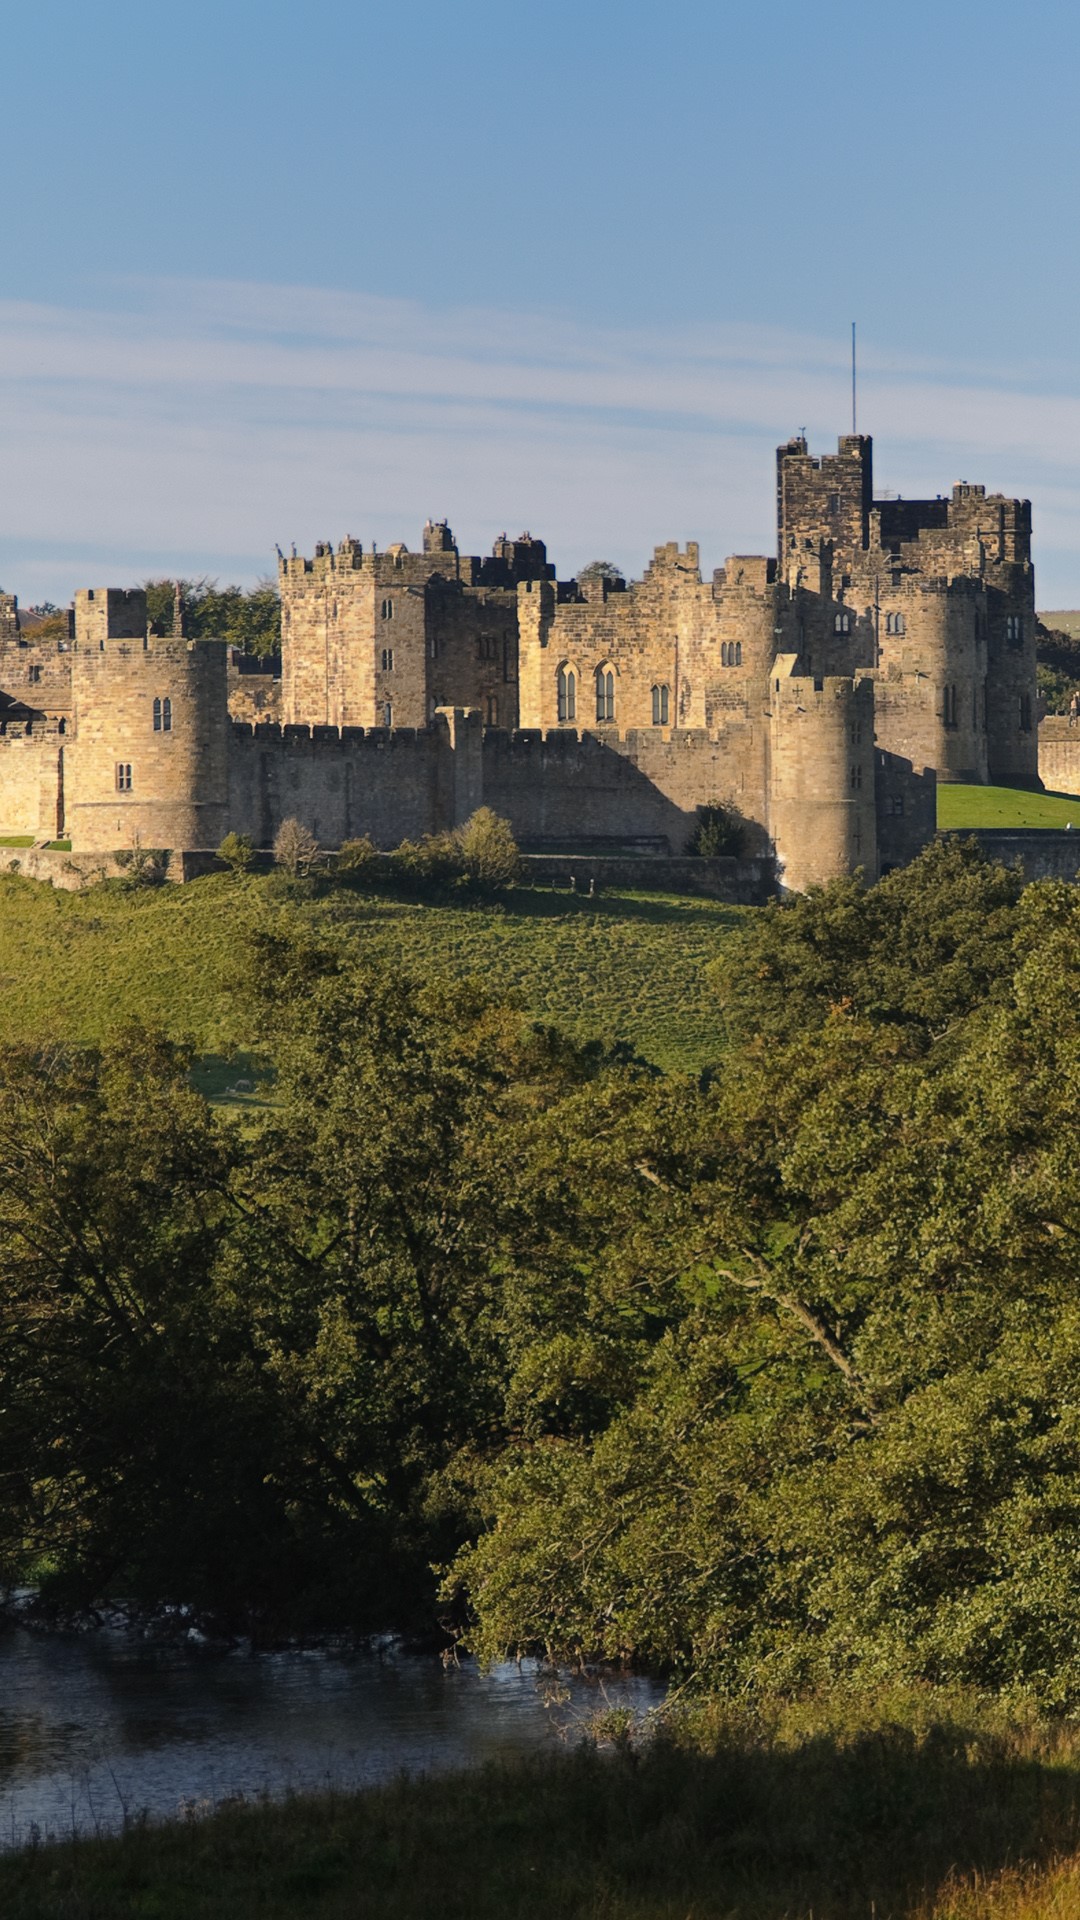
934	631
822	812
148	761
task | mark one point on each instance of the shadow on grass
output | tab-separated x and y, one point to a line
543	903
237	1080
876	1826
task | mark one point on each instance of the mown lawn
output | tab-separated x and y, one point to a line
960	806
77	966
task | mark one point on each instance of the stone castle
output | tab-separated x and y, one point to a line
819	694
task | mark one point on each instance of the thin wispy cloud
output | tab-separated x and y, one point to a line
192	424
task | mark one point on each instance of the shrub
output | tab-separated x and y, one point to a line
236	850
488	850
357	858
719	830
434	861
295	848
143	866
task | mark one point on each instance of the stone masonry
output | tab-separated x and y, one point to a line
818	694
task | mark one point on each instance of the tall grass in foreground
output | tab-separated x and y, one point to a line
911	1812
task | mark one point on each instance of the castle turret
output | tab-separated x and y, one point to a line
148	764
822	813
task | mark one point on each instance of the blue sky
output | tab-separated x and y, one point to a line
275	274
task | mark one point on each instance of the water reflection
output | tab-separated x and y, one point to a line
102	1727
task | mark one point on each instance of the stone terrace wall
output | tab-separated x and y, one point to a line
1043	853
744	883
1059	754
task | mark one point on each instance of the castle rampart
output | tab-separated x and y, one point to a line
819	693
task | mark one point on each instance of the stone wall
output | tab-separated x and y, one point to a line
823	810
1059	754
562	789
1042	853
741	882
174	791
31	784
347	783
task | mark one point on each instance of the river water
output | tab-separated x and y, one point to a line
101	1727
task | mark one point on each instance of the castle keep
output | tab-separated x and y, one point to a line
820	693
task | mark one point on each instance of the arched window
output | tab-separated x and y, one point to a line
738	653
894	623
605	694
566	690
388	715
61	726
387	609
842	622
157	716
724	650
166	715
661	707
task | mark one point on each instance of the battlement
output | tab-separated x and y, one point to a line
671	558
109	613
828	497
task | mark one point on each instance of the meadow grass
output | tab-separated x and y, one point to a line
879	1819
76	967
962	806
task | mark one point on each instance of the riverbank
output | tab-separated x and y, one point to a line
912	1812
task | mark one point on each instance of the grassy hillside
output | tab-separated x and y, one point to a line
961	806
624	966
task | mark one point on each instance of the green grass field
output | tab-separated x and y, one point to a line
959	807
888	1824
76	966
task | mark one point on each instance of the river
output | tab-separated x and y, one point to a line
98	1728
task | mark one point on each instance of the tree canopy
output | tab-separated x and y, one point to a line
767	1376
248	618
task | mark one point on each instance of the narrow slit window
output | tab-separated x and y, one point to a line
157	716
166	715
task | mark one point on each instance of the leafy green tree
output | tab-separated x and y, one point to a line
489	850
237	851
247	618
719	830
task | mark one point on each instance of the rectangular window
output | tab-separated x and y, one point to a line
950	713
123	776
1014	630
1025	713
387	609
388	659
35	675
856	779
